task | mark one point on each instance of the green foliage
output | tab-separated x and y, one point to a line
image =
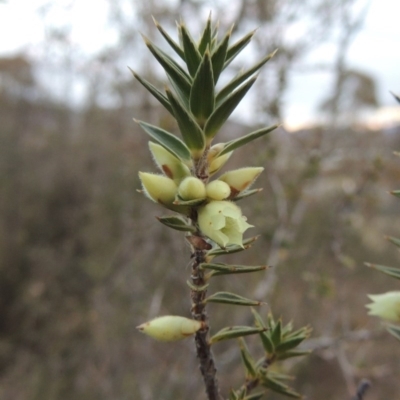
279	343
198	108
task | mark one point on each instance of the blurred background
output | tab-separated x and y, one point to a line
83	261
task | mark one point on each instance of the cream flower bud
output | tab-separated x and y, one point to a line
241	179
386	305
215	162
158	188
192	188
223	222
218	190
170	328
171	166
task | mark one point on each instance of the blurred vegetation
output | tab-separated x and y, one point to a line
83	260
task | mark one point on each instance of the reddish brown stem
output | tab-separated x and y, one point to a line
203	349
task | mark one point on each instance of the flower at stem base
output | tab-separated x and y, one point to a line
223	222
386	305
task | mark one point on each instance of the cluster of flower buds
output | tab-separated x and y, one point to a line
219	218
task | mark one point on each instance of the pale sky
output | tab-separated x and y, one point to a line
376	50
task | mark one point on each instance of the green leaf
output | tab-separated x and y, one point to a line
192	55
182	82
394	330
237	47
246	193
289	344
276	334
192	203
233	332
258	319
224	269
391	271
235	82
254	396
191	132
233	395
395	193
231	298
154	91
218	56
232	248
394	240
202	93
170	41
234	144
225	109
267	343
278	387
177	223
206	37
248	361
292	354
169	141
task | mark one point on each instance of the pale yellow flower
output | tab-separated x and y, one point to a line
223	222
386	305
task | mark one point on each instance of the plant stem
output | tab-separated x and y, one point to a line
203	349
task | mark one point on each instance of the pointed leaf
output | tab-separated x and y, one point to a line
192	55
276	334
219	55
205	37
394	240
154	91
224	269
234	144
254	396
394	330
234	332
289	344
237	47
225	109
202	93
170	41
391	271
395	193
177	223
246	193
235	82
192	203
267	343
233	248
396	97
258	319
247	359
292	354
192	134
169	141
279	387
231	298
174	71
